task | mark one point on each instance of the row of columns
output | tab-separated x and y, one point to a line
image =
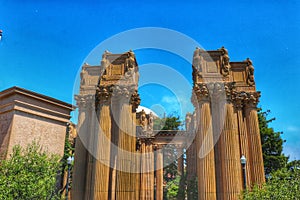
219	171
105	172
226	132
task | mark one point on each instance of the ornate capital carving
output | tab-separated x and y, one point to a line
106	93
214	91
201	92
103	94
85	101
239	99
135	100
253	99
123	91
246	99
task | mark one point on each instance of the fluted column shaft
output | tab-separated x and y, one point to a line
91	147
159	174
100	184
137	163
78	184
191	156
138	175
180	164
256	157
228	156
244	149
79	174
147	172
205	155
125	183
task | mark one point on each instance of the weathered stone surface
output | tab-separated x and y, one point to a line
26	116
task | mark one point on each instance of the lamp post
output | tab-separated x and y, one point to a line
69	162
243	162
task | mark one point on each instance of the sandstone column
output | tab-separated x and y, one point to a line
80	165
100	185
125	183
180	162
205	154
91	148
228	155
159	174
137	174
256	158
114	151
147	171
243	136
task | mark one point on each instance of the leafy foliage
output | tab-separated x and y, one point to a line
167	123
68	152
69	148
28	174
172	123
172	188
170	171
272	144
192	189
284	184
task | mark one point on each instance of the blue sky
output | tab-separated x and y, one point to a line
45	42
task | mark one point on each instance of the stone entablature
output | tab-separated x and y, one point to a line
27	116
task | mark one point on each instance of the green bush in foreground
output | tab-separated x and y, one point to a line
28	174
283	184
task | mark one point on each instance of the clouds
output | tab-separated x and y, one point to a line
293	151
292	144
292	128
179	104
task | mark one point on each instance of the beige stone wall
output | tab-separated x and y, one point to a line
26	116
5	125
27	128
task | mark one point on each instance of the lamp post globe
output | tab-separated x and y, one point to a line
69	162
243	162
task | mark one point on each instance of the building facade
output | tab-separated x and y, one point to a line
26	116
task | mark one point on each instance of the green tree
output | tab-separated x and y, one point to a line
272	144
171	122
167	123
192	189
172	188
29	174
283	184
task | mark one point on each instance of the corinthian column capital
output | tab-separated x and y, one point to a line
85	101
